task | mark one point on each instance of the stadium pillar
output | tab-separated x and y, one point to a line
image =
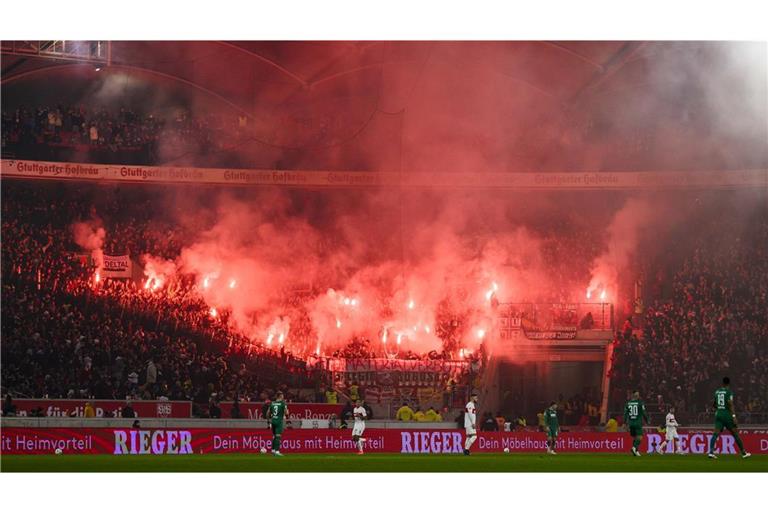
606	382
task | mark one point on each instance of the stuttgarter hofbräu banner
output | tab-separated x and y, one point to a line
604	180
125	441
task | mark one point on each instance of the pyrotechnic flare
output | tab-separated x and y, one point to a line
481	333
205	283
411	304
338	323
97	277
214	313
602	295
269	339
232	283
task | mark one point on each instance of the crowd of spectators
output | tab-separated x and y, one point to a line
715	324
116	135
68	335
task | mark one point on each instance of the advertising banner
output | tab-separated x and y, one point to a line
116	441
296	411
102	408
605	180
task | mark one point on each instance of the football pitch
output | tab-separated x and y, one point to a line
528	462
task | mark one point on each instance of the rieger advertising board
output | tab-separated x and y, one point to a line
122	442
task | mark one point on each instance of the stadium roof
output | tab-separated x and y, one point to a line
514	104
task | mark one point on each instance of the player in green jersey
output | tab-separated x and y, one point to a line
278	411
634	414
553	428
725	417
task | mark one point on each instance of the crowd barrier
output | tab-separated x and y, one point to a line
161	408
163	441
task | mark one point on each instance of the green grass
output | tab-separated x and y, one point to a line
563	462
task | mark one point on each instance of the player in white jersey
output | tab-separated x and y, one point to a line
359	414
671	426
470	422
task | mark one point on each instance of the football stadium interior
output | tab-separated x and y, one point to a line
384	233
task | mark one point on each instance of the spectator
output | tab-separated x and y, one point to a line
151	373
354	392
320	395
612	425
419	415
587	322
347	412
331	397
9	408
500	421
214	410
235	411
489	423
89	412
127	411
368	411
404	413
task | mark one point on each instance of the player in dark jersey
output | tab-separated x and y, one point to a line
278	411
634	414
553	428
725	417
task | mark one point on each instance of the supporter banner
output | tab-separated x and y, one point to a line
357	179
560	333
395	365
116	266
296	411
396	379
31	441
104	408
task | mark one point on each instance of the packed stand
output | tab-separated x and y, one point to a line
714	325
